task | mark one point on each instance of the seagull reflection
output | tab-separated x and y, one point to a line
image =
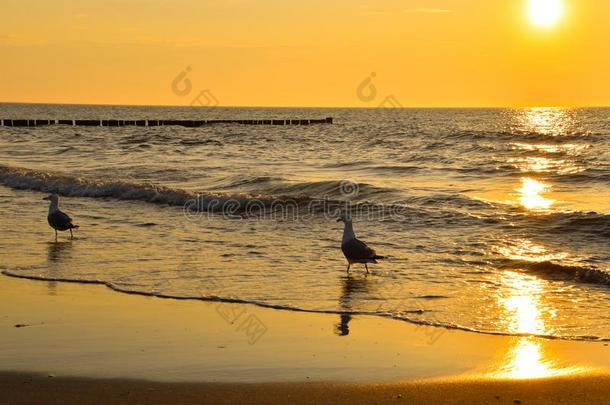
57	253
350	286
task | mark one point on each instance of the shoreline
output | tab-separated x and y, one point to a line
88	330
221	300
65	342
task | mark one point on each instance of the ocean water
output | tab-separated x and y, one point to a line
492	220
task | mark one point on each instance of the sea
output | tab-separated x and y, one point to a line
490	220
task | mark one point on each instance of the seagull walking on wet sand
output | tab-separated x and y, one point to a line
355	250
57	219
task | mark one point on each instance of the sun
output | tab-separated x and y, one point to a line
545	13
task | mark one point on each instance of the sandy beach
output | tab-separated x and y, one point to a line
63	342
34	389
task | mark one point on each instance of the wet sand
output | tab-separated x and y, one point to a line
35	389
108	347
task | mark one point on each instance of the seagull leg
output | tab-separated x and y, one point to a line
348	264
71	236
56	235
366	266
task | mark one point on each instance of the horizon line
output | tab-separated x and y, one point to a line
320	107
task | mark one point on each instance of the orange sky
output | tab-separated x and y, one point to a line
455	53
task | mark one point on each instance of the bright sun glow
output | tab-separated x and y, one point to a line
545	13
530	194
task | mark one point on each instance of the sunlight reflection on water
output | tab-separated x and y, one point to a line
525	313
530	194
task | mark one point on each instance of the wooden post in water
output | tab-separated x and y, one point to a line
155	123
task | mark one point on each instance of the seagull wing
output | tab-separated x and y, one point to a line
355	249
60	220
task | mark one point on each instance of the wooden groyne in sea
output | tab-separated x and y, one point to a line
158	123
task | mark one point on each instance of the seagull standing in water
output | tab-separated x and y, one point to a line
57	219
355	250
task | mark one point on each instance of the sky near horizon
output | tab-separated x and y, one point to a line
422	53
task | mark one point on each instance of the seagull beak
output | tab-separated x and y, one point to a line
339	219
47	198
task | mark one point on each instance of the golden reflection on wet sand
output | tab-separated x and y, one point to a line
527	360
524	313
